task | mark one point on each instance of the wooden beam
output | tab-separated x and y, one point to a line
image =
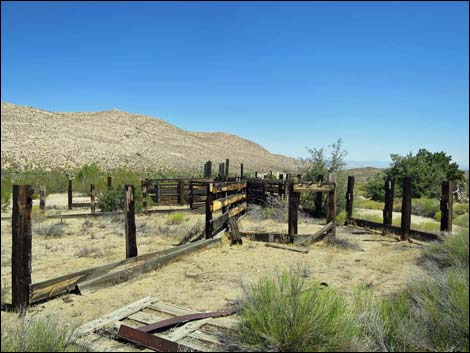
221	221
318	203
349	199
286	247
69	194
406	209
42	198
110	182
209	169
241	171
21	246
129	209
220	187
317	235
389	195
221	175
227	165
446	206
226	201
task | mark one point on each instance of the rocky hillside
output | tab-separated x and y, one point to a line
34	138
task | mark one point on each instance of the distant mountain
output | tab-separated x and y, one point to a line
35	138
365	164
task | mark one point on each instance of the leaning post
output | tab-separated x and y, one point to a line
388	207
331	205
293	206
69	194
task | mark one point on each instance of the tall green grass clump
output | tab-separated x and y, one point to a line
287	314
461	220
176	218
424	207
39	335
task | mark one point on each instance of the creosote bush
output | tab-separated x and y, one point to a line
39	335
290	315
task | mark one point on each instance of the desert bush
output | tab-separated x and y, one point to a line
89	251
6	191
111	200
39	335
176	218
453	251
55	230
459	208
286	314
424	207
375	188
461	220
369	204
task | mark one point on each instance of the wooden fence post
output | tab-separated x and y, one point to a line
129	209
93	198
221	171
70	194
21	246
318	198
208	212
446	206
388	208
181	192
42	198
227	164
406	209
349	199
256	175
144	194
191	196
110	182
331	205
241	171
293	207
209	169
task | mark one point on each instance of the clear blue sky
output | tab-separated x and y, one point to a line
385	77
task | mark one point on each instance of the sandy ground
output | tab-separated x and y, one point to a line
208	279
396	215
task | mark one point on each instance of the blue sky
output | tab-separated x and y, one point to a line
385	77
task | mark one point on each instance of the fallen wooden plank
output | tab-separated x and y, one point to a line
147	266
285	247
115	316
271	237
415	234
67	283
316	236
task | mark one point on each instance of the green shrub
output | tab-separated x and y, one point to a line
287	314
341	217
6	191
176	218
113	199
460	209
461	220
369	204
375	188
438	215
39	335
453	251
424	207
428	227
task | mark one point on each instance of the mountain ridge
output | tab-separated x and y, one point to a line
34	138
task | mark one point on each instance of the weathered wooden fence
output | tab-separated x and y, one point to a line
404	231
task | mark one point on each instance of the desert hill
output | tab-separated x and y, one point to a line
35	138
